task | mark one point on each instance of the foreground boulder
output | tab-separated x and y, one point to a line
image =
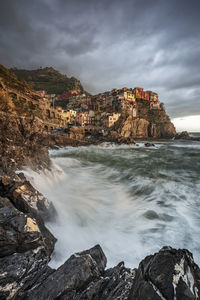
72	276
24	196
19	232
83	276
20	271
168	274
25	249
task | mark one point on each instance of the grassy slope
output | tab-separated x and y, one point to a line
49	79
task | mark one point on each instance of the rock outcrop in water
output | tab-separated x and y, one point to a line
184	135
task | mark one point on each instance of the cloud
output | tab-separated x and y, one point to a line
154	44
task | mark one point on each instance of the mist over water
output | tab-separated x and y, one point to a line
131	200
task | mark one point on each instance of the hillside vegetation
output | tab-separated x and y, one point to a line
48	79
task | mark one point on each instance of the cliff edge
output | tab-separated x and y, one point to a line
49	79
149	123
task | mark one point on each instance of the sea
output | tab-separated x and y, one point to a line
130	199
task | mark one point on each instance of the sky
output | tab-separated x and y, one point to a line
154	44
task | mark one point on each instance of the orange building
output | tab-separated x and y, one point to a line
138	92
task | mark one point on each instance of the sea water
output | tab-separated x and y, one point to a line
132	200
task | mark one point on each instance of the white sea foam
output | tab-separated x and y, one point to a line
120	198
194	145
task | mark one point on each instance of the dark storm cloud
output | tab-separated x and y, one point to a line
150	43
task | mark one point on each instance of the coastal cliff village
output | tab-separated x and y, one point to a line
101	110
61	105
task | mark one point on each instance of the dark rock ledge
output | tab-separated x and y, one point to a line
26	246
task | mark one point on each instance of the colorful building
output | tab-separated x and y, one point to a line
113	118
138	92
73	114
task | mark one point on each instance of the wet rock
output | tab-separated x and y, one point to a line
30	202
114	284
24	251
20	271
127	141
168	274
149	145
98	255
72	277
183	135
24	196
18	232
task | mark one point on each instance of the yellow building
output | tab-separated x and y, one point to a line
113	118
73	114
128	94
68	116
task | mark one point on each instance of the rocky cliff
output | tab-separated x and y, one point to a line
149	123
48	79
21	124
25	127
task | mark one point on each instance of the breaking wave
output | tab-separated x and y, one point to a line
131	200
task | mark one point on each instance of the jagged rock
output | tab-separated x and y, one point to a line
168	274
24	196
30	202
24	250
72	277
82	276
98	255
20	142
149	145
18	232
20	271
183	135
114	284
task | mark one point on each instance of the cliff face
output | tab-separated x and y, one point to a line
21	142
148	124
26	122
49	79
